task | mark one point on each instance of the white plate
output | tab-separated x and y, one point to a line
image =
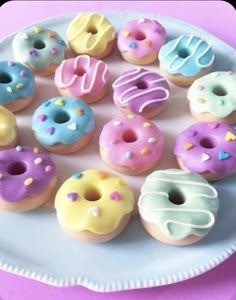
33	245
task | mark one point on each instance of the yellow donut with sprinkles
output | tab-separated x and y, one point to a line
8	129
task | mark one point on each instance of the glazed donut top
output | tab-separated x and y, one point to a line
7	127
16	81
140	89
82	75
28	170
94	200
187	55
207	147
62	120
141	37
194	216
90	33
214	93
131	141
38	47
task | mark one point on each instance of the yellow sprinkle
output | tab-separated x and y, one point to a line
9	89
125	33
37	29
144	151
130	116
51	34
59	102
36	150
230	136
147	43
200	100
28	181
19	85
187	146
146	124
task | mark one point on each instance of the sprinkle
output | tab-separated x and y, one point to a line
33	52
146	125
230	136
188	146
50	130
147	43
37	29
213	125
48	168
51	34
10	63
157	30
222	155
152	140
201	100
79	111
229	73
130	116
144	151
133	45
94	211
38	160
1	176
22	72
72	196
215	74
18	148
61	42
25	36
221	102
42	117
128	154
20	85
141	20
28	181
59	102
9	89
72	126
205	157
54	51
47	103
77	175
115	196
200	87
36	150
102	174
115	141
191	132
120	181
117	123
125	33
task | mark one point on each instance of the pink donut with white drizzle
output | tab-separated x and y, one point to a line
83	77
131	144
139	41
27	178
208	149
140	91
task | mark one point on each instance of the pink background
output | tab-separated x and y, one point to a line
218	18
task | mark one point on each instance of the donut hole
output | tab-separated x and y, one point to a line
93	194
5	78
61	117
16	168
208	142
140	36
92	30
80	71
176	197
219	91
141	85
39	44
129	136
184	52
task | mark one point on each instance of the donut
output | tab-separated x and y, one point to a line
208	149
40	49
139	41
27	178
8	129
212	97
63	124
177	207
91	34
83	77
140	91
17	86
94	205
131	144
186	58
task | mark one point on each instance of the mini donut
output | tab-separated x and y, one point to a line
8	129
83	77
177	207
17	86
212	97
27	178
40	49
91	34
140	91
63	124
186	58
208	149
94	205
131	144
139	41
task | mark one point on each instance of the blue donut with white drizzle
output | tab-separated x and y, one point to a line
63	124
186	58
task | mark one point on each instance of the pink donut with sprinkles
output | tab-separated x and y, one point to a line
208	149
131	144
139	41
27	178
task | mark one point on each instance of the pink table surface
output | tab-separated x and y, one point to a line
217	17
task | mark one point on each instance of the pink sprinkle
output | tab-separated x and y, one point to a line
10	63
50	130
54	51
229	73
22	72
42	117
213	125
48	168
200	87
115	196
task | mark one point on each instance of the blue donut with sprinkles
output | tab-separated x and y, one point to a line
17	85
63	124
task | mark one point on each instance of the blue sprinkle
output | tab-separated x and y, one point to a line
223	155
47	103
18	148
157	30
128	154
221	102
61	42
133	45
77	175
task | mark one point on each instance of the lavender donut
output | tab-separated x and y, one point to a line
27	178
208	149
141	92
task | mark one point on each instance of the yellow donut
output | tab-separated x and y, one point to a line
91	34
8	129
94	205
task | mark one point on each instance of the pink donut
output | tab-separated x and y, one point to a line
131	144
141	92
208	149
139	41
83	77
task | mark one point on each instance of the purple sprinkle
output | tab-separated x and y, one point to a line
191	132
72	196
133	45
22	72
54	51
157	30
50	130
33	52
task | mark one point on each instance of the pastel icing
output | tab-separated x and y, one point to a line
62	120
139	90
141	37
213	148
214	93
82	75
16	81
38	47
195	216
90	33
7	127
187	55
113	200
131	141
27	170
